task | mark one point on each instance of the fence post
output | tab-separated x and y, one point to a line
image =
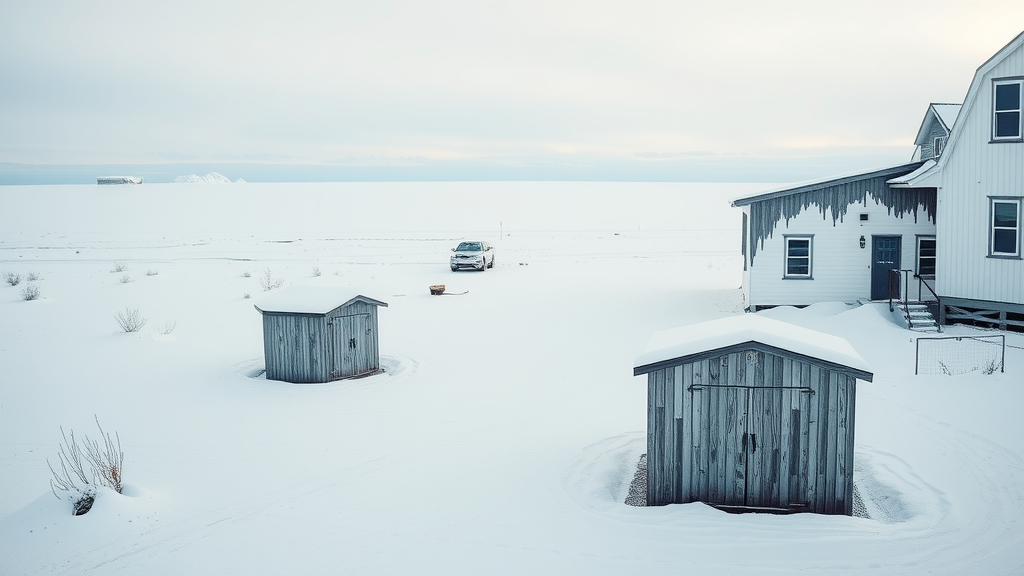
917	354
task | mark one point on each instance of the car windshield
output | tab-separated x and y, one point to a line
470	247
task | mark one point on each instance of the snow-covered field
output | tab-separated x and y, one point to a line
506	430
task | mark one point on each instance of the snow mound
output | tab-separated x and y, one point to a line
211	178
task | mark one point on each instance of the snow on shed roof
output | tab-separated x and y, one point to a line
311	300
684	341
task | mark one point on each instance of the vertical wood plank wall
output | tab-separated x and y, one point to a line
304	348
751	429
293	347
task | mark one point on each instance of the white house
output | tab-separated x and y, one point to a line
979	273
948	224
835	239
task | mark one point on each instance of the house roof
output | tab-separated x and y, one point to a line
925	179
944	114
901	181
302	299
811	185
677	345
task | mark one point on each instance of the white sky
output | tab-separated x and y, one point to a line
313	81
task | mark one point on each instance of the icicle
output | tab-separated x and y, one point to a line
765	215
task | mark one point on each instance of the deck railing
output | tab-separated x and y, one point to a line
897	295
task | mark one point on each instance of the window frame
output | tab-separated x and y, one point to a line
917	259
1019	110
992	228
786	239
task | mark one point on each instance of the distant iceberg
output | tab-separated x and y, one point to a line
210	178
102	180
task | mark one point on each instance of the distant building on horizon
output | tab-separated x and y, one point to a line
106	180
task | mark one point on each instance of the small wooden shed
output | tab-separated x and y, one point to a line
319	334
748	413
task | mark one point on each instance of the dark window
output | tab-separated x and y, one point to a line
1005	227
926	256
1007	110
798	257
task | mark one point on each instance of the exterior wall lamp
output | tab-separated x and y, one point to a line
863	242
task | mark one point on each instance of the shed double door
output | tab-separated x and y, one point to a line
752	446
350	352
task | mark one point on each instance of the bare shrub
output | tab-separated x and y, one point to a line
316	272
107	460
125	279
119	267
30	292
12	278
268	282
130	320
246	296
72	482
32	277
246	274
168	327
105	468
152	272
992	366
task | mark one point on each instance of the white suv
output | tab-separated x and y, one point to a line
473	255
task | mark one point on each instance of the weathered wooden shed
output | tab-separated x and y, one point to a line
751	413
319	334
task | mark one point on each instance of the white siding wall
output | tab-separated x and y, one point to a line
840	267
976	169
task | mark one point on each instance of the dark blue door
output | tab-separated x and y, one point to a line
885	256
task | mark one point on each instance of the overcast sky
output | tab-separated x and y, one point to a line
380	82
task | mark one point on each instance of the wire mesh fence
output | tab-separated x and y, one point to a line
953	355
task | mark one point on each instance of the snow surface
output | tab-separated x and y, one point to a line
504	433
714	334
307	299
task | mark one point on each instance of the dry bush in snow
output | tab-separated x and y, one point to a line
32	277
119	267
105	467
268	282
30	292
125	279
316	272
130	320
152	272
12	278
168	327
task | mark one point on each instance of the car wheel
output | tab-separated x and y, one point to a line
483	266
491	265
454	268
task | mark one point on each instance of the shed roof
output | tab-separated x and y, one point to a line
676	345
311	300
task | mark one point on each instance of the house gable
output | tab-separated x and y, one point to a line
980	85
935	128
